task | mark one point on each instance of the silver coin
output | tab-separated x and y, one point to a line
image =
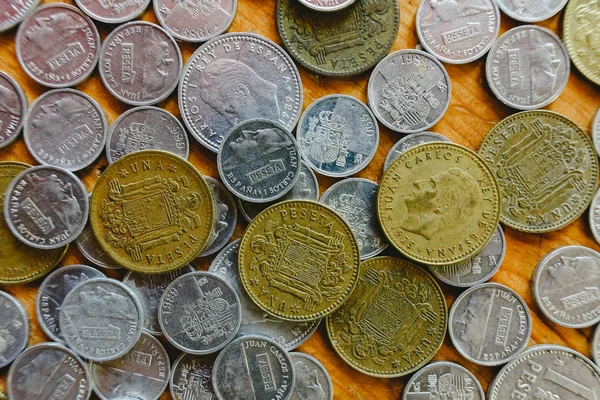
236	77
355	199
58	45
13	106
65	128
13	12
489	324
101	319
53	291
477	269
327	6
596	131
14	333
199	313
253	367
443	380
149	288
410	141
48	371
527	67
409	91
225	217
288	334
143	373
594	216
458	32
531	10
47	207
312	379
140	63
595	346
191	377
113	11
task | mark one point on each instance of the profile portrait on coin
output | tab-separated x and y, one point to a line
545	62
33	377
252	145
572	270
68	111
449	10
307	386
470	333
47	30
9	101
100	302
156	58
60	195
234	382
10	328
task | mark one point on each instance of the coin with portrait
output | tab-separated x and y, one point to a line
312	379
13	106
580	34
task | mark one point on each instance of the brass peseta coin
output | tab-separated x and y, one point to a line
580	34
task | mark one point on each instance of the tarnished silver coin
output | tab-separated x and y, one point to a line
596	131
443	380
53	291
410	141
288	334
12	12
327	5
65	128
594	216
191	377
236	77
595	345
253	367
199	313
566	286
225	217
47	207
57	45
101	319
13	106
531	10
146	128
113	11
48	371
489	324
409	91
355	199
312	379
528	67
14	328
143	373
140	63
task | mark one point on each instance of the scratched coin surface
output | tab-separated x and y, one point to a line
394	321
312	379
594	216
225	217
443	380
13	106
581	37
531	10
596	131
14	331
327	6
595	346
113	11
191	377
410	141
15	11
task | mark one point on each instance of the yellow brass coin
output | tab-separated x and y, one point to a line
298	260
438	203
152	211
394	321
582	37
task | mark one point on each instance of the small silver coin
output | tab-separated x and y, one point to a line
48	371
53	291
312	379
259	160
596	132
443	380
47	207
236	77
489	324
65	128
288	334
355	199
594	216
409	91
327	6
199	313
595	346
13	107
143	373
58	45
338	135
531	10
225	217
191	377
101	319
146	128
528	67
410	141
14	333
140	63
13	12
113	12
253	367
566	286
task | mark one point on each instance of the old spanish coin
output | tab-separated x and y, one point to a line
345	43
581	37
46	207
113	12
146	128
443	380
140	63
298	260
199	313
13	12
152	211
14	328
409	91
289	334
327	6
394	321
13	106
595	347
58	45
527	67
596	132
531	10
225	217
458	32
410	141
65	128
191	377
490	324
338	135
594	216
253	367
312	379
546	168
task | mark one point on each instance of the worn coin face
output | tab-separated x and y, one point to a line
338	135
327	6
443	379
90	248
58	45
595	346
594	216
13	12
15	328
409	91
410	141
394	321
140	63
581	37
546	168
152	211
12	109
65	128
489	324
596	132
225	217
113	12
312	379
191	377
531	10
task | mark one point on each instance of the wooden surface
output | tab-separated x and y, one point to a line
473	111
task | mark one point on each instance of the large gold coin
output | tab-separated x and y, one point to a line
152	211
298	260
21	263
394	321
438	204
581	35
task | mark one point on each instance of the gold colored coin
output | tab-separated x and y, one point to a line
298	260
394	321
152	211
21	263
438	204
581	37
